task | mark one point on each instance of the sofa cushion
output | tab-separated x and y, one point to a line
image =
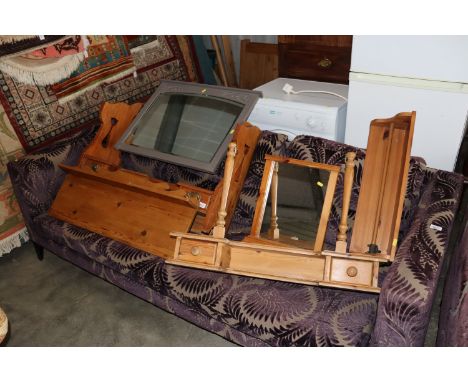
277	313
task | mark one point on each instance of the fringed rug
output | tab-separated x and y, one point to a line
108	60
47	65
9	39
16	45
43	114
65	47
12	230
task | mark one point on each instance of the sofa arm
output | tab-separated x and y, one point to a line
408	290
453	321
36	178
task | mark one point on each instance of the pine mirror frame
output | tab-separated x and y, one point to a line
272	162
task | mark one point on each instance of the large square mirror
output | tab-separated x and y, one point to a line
188	124
294	203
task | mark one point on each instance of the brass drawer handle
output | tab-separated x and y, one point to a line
195	251
324	63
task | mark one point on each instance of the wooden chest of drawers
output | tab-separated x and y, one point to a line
317	58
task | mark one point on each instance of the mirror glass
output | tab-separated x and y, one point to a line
300	196
187	125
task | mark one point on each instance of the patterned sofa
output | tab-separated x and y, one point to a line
250	311
453	323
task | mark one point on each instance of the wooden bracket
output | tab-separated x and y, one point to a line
383	186
132	208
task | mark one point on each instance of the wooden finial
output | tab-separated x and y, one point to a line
219	229
347	188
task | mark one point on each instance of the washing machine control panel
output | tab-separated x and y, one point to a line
295	119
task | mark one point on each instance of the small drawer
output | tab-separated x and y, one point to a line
314	62
197	251
351	271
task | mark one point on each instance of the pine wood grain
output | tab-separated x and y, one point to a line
383	185
280	263
115	119
127	216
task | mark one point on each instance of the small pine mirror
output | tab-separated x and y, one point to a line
294	203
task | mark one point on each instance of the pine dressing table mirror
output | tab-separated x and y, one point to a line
294	203
284	244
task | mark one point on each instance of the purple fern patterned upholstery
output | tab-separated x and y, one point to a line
453	323
38	176
249	311
409	287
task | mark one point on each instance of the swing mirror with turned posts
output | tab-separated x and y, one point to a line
294	203
288	230
287	236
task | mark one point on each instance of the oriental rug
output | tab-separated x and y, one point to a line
12	230
108	59
47	65
42	114
9	39
16	45
71	45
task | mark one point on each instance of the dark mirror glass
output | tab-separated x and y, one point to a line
300	196
186	125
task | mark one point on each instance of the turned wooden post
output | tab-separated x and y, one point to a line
347	188
219	230
274	229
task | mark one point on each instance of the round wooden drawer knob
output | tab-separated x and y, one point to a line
352	271
195	251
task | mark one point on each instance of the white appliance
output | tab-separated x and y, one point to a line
428	74
318	114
